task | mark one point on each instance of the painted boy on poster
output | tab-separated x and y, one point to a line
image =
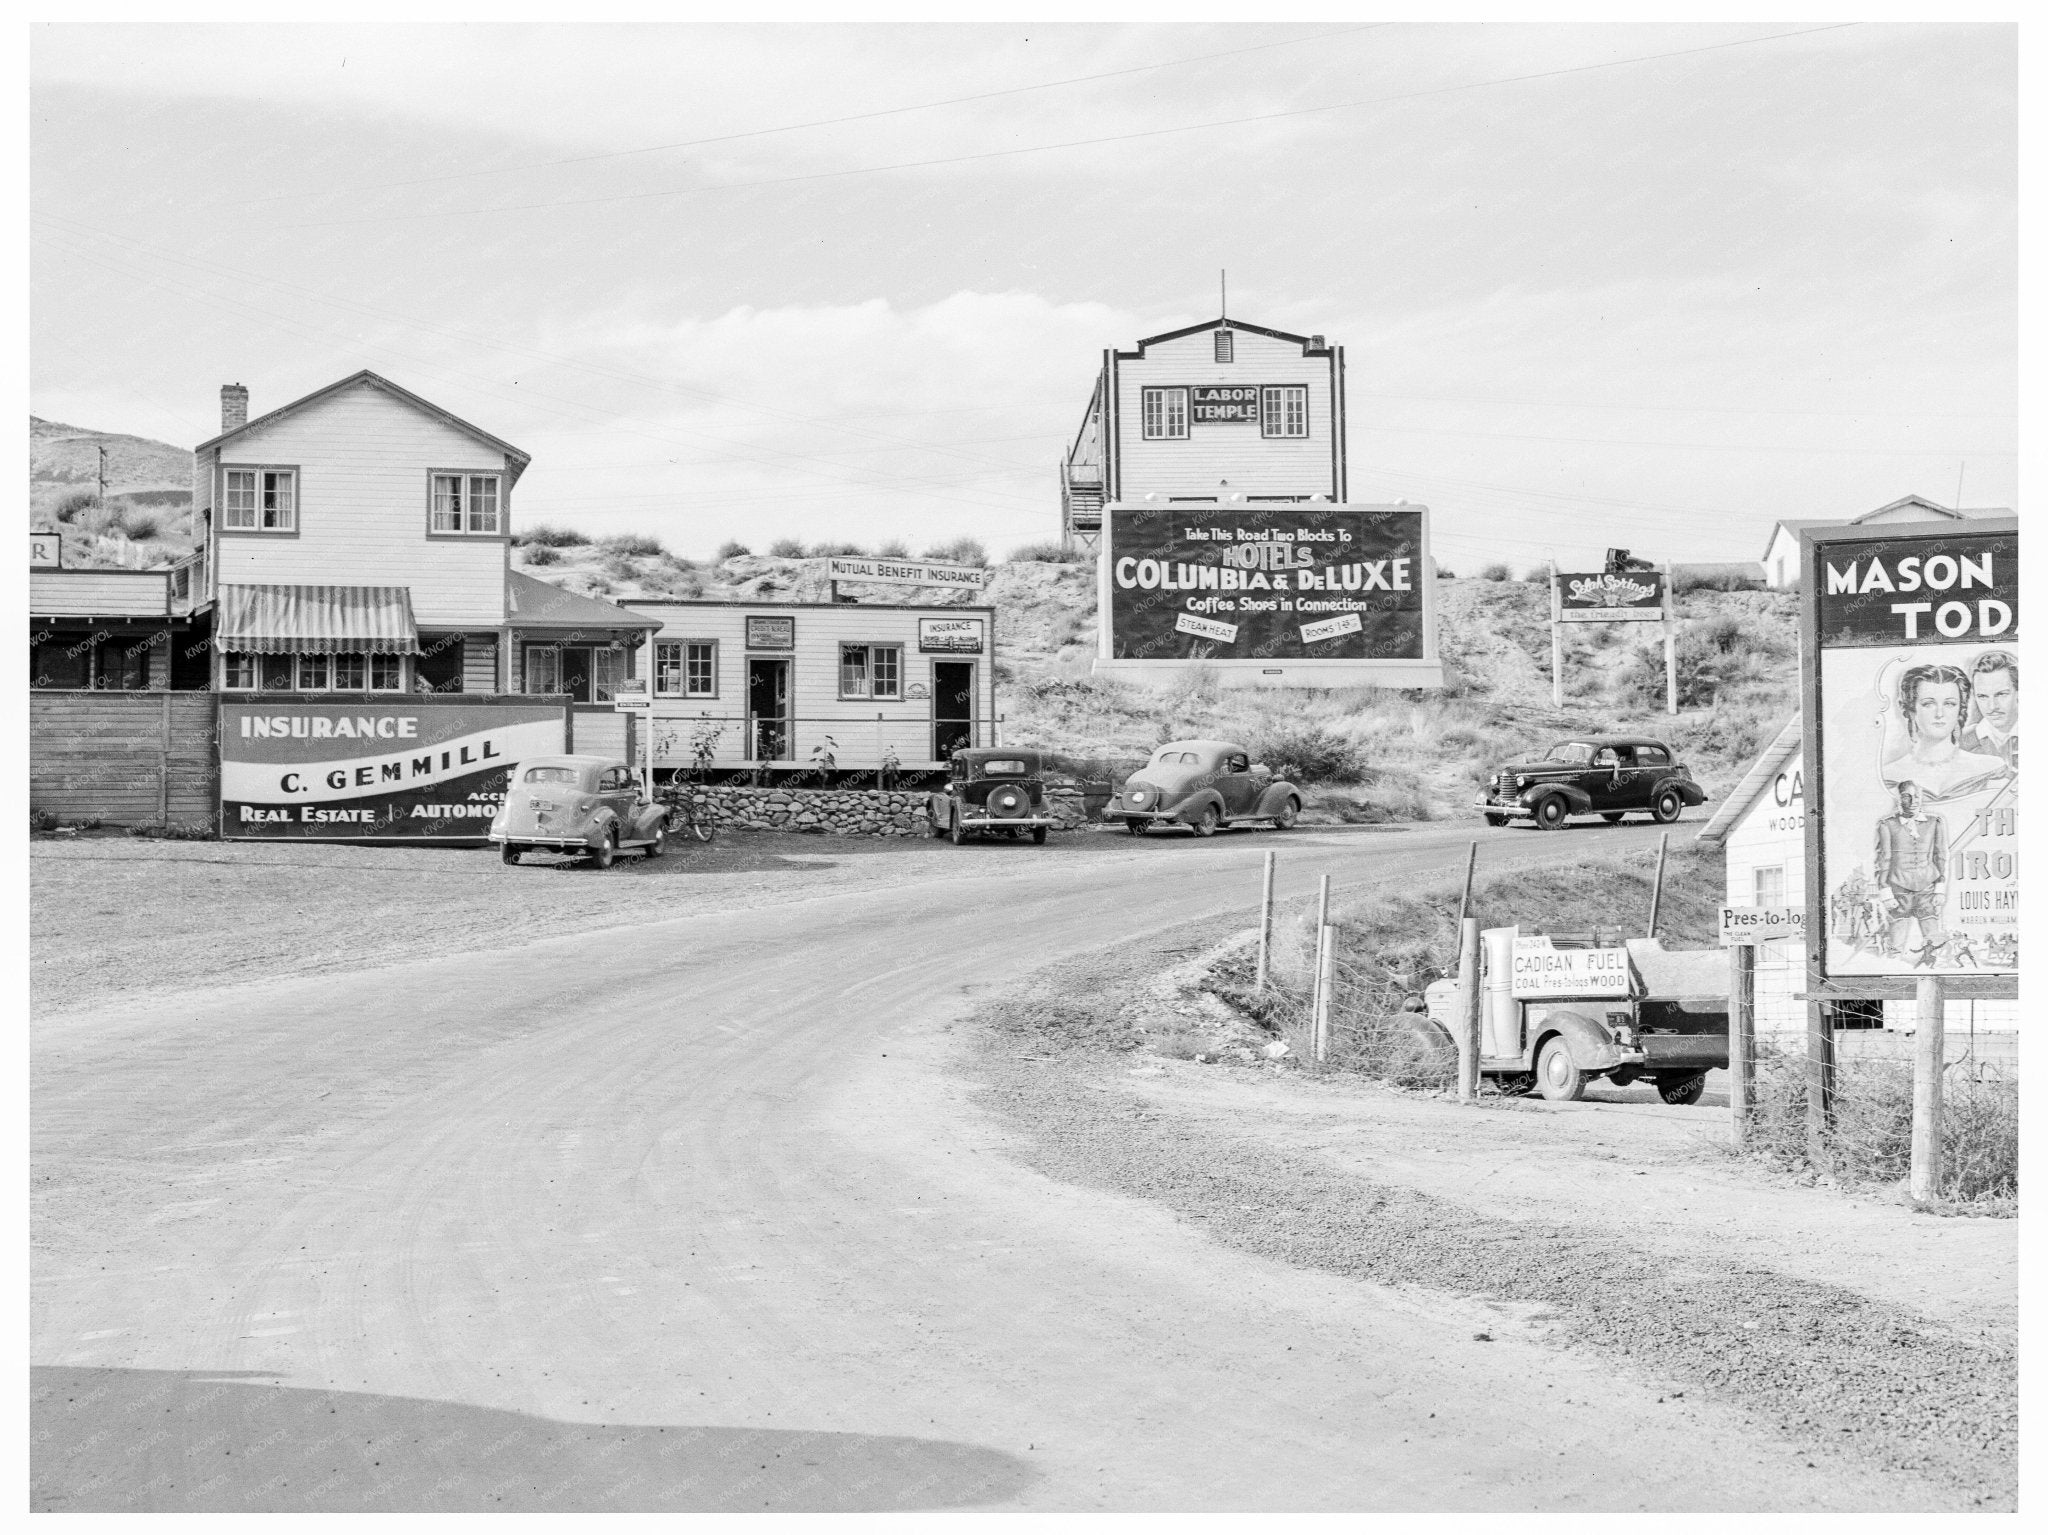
1919	715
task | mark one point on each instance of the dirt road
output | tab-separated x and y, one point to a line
699	1215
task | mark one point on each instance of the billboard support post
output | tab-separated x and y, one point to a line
1468	1010
1929	1050
1670	644
1657	886
1556	641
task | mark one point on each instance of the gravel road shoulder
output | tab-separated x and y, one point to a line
1865	1334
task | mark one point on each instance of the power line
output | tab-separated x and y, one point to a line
823	122
1033	149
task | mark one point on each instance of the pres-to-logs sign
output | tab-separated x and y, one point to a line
1298	582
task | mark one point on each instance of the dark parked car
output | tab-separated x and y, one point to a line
1607	776
1203	785
991	789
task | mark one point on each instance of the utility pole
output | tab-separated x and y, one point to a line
103	477
1670	644
1223	293
1556	641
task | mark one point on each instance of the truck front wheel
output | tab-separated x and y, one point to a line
1682	1089
1558	1076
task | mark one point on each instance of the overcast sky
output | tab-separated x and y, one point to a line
854	281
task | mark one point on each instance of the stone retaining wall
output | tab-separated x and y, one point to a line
851	812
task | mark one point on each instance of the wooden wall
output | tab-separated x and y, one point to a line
130	759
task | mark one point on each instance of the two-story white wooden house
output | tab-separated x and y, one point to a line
1216	412
359	540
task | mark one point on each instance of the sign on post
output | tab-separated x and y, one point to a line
1762	924
1544	971
1913	750
1611	597
45	551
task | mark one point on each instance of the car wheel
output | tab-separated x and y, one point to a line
1206	823
1551	811
1284	821
510	852
659	845
959	829
1038	835
1666	807
1134	826
1495	818
607	850
1682	1089
1558	1076
1611	817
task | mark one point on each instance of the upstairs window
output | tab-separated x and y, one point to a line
1770	885
260	501
1283	410
1226	346
465	504
1165	413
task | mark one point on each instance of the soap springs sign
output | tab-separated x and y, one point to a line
404	766
1917	775
1297	582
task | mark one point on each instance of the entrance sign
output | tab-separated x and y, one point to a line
1302	582
1542	971
777	632
1612	597
45	551
1912	673
907	573
375	768
1761	924
950	636
630	695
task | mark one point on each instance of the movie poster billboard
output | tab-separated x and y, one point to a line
409	766
1918	642
1298	582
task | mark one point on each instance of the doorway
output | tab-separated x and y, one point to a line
952	707
768	722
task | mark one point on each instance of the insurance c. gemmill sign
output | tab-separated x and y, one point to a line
407	766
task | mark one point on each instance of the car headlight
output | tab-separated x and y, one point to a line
1521	782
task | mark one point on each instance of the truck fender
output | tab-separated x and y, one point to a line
1592	1047
1580	801
1276	795
1191	807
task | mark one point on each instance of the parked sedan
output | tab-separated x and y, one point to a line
583	806
1607	776
1203	785
990	790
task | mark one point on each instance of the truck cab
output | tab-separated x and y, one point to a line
1560	1010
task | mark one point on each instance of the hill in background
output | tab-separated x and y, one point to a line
147	518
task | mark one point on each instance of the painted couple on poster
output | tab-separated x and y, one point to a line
1919	715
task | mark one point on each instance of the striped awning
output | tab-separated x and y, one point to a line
316	620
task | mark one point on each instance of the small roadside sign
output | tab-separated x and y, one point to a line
630	694
1761	924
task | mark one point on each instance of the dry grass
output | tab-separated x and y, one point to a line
1870	1141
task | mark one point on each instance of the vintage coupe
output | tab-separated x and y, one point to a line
1202	785
1607	776
583	806
991	789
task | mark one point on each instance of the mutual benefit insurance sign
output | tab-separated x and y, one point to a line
1297	582
406	766
1917	788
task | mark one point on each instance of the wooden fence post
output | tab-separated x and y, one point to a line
1670	644
1265	923
1326	976
1657	888
1465	900
1315	1005
1928	1058
1741	1040
1468	1010
1820	1079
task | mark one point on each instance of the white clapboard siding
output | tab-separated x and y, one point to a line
363	459
99	593
1224	450
858	738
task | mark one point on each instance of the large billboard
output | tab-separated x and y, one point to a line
1252	586
1915	776
409	766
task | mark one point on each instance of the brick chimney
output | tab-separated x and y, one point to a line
234	407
